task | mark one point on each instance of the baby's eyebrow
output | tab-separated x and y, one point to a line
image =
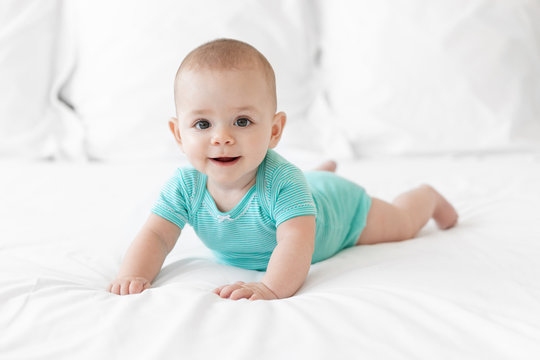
199	112
208	112
248	108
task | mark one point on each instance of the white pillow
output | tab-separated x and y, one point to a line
422	76
128	51
28	34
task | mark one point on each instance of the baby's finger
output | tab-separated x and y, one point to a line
242	293
114	288
218	290
124	287
136	287
227	290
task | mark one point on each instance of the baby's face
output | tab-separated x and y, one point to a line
226	122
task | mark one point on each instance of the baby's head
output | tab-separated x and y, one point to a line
227	54
226	120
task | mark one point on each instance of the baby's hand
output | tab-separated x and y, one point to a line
241	290
129	285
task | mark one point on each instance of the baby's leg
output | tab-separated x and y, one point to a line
329	165
407	214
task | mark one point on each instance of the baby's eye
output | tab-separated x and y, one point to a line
242	122
202	124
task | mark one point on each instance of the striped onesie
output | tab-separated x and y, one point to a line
246	235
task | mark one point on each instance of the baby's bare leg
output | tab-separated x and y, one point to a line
329	165
407	214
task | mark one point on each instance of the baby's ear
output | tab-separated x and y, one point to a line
278	123
173	126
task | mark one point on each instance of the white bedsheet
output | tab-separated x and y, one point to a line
472	292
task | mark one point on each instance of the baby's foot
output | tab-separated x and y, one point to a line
444	215
329	165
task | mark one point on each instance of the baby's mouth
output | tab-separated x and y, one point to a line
225	160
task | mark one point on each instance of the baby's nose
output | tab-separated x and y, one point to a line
222	137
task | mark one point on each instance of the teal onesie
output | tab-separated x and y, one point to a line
246	235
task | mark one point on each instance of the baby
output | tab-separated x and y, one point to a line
250	206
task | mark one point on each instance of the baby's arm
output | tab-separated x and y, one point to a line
145	256
288	266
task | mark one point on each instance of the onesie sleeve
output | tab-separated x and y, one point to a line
291	195
173	201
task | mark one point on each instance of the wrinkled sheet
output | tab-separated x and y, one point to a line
472	292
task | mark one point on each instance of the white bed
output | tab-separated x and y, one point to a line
469	292
80	169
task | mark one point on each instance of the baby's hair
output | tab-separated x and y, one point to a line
228	54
